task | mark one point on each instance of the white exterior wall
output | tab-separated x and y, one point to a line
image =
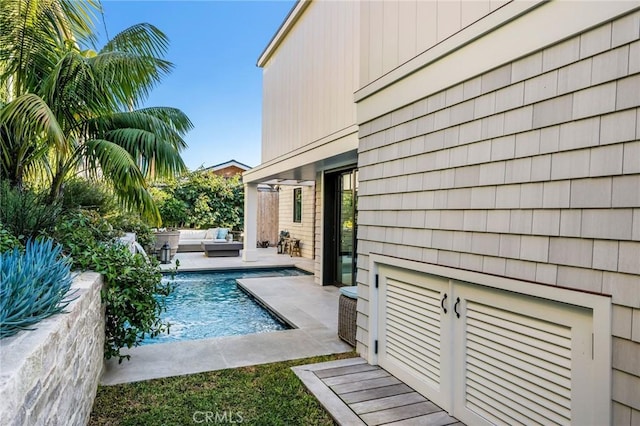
308	83
304	231
393	32
530	171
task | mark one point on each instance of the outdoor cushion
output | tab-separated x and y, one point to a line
222	233
211	233
351	291
193	234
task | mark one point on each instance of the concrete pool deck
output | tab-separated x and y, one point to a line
267	258
311	308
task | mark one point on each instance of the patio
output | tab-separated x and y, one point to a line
267	258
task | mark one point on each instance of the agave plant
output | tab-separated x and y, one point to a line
33	285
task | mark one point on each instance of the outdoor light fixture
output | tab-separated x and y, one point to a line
165	253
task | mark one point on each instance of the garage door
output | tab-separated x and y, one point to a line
487	356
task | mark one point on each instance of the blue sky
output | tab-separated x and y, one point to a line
214	46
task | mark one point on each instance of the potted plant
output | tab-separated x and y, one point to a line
166	235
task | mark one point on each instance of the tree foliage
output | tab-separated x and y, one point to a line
202	199
66	108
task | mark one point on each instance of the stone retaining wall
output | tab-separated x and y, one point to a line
50	375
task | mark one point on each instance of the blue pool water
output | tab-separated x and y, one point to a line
210	304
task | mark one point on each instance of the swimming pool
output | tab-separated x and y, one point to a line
210	304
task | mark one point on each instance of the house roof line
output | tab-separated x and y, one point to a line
283	30
228	164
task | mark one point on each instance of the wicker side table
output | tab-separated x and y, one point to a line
347	319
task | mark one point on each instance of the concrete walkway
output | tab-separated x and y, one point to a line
300	302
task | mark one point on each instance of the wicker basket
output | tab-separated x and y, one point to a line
347	319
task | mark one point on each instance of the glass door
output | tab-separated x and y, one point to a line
340	210
346	228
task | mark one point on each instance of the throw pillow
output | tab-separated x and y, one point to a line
222	233
211	234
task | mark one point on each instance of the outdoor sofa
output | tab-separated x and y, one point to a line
191	239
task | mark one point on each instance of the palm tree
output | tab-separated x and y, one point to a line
66	110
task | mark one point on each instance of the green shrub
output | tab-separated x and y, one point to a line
25	213
80	232
33	285
88	195
134	296
8	241
202	200
133	293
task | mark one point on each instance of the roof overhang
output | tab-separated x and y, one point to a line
301	166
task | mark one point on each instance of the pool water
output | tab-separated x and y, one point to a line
210	304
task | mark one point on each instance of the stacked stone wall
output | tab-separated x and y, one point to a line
50	375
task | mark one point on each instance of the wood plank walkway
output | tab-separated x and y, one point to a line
356	393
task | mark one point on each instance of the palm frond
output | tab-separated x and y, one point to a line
155	157
141	40
33	33
116	165
164	125
28	118
178	119
128	77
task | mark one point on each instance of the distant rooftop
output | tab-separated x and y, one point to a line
227	164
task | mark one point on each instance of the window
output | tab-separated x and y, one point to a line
297	205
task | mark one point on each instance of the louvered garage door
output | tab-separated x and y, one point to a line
411	326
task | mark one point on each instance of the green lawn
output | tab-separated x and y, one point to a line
268	394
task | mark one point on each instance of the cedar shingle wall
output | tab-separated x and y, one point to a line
530	171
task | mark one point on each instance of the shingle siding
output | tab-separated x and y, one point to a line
530	171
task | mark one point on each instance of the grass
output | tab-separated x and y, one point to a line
268	394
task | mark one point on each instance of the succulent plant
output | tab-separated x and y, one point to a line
34	285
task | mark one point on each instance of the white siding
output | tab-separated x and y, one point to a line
309	81
530	171
304	231
394	31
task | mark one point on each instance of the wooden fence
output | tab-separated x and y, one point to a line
268	216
